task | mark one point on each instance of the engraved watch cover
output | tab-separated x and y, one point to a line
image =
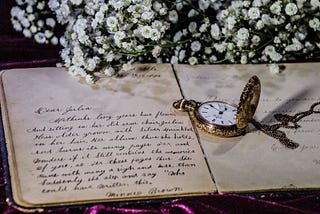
248	103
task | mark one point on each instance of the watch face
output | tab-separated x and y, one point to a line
218	113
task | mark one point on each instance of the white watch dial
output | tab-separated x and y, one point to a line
218	113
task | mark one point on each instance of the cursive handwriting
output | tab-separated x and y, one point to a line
82	149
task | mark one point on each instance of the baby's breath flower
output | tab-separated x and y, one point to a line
33	29
179	6
230	56
244	59
76	2
254	13
109	71
243	34
40	5
259	25
277	40
194	32
213	59
291	9
251	54
192	27
173	16
112	21
91	64
174	60
295	46
47	34
127	67
288	27
146	31
182	55
72	70
75	70
148	15
203	28
192	13
266	19
156	6
314	24
40	23
140	47
220	47
255	40
315	3
231	21
118	36
274	68
270	49
27	33
54	4
155	34
275	57
89	79
300	35
177	36
256	3
195	46
116	4
54	40
50	22
156	51
193	60
208	50
275	8
25	22
309	46
204	4
110	57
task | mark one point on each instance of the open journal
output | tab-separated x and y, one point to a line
70	143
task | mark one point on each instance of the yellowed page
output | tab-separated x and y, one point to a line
257	162
117	140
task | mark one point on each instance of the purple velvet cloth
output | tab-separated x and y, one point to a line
18	52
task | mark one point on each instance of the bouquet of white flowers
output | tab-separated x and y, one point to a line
35	20
100	35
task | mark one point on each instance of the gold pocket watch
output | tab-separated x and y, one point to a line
220	118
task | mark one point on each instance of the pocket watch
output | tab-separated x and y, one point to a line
220	118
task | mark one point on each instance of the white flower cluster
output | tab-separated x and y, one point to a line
100	34
35	20
105	33
255	31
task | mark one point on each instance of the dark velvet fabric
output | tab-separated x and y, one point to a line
19	52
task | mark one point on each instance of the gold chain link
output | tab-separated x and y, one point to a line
285	121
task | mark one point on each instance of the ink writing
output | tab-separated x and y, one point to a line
80	148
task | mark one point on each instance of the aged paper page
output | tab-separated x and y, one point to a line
257	162
70	142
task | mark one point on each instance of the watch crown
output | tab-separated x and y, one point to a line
184	105
179	104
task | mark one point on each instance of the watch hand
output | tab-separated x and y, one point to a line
214	108
223	107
